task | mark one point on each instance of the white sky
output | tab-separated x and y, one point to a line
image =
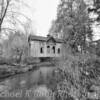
42	13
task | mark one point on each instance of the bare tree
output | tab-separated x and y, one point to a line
4	4
16	46
9	15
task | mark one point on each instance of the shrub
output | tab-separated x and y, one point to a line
2	61
31	60
7	61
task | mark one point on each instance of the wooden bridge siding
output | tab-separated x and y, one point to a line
35	49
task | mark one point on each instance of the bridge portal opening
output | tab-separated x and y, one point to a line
48	49
53	48
58	50
41	50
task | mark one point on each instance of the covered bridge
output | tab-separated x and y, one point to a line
45	46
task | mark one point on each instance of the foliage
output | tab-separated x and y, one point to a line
17	46
73	23
95	9
97	48
10	17
3	10
79	71
6	12
74	76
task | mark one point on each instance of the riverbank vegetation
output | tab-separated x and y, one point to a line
79	68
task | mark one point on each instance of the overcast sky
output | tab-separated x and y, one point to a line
42	13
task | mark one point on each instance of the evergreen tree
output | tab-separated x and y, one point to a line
95	9
73	23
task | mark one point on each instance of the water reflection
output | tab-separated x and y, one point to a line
16	87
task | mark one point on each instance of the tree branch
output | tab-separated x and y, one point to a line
5	11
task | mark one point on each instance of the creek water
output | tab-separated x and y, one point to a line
21	86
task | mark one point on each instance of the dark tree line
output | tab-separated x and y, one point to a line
73	24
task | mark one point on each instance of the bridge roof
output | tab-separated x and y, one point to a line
41	38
